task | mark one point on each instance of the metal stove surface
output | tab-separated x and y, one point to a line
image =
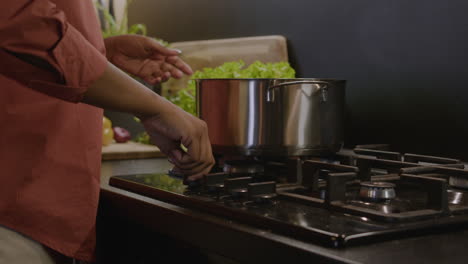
327	201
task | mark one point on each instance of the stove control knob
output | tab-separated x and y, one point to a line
237	187
262	192
193	185
214	182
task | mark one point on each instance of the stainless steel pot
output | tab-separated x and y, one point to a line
273	117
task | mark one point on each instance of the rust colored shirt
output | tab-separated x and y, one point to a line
50	144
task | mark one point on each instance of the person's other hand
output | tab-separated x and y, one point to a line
173	127
146	58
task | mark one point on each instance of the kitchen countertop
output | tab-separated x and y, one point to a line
248	245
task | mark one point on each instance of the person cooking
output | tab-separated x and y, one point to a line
56	74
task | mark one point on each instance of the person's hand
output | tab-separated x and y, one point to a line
145	58
173	127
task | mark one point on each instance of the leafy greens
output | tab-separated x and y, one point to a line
185	98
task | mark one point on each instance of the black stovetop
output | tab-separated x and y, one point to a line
320	199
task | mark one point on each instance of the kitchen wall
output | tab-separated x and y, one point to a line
406	62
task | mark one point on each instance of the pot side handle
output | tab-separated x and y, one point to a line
323	89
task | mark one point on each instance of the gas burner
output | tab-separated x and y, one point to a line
246	167
377	191
337	200
457	197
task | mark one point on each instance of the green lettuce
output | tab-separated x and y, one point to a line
185	98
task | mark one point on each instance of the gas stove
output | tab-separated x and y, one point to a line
353	197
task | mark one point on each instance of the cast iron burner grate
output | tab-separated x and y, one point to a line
354	197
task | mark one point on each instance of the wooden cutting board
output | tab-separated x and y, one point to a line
215	52
130	150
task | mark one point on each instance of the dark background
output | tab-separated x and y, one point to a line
406	62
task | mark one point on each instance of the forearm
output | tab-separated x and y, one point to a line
168	126
117	91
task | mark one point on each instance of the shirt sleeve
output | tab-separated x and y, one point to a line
40	49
